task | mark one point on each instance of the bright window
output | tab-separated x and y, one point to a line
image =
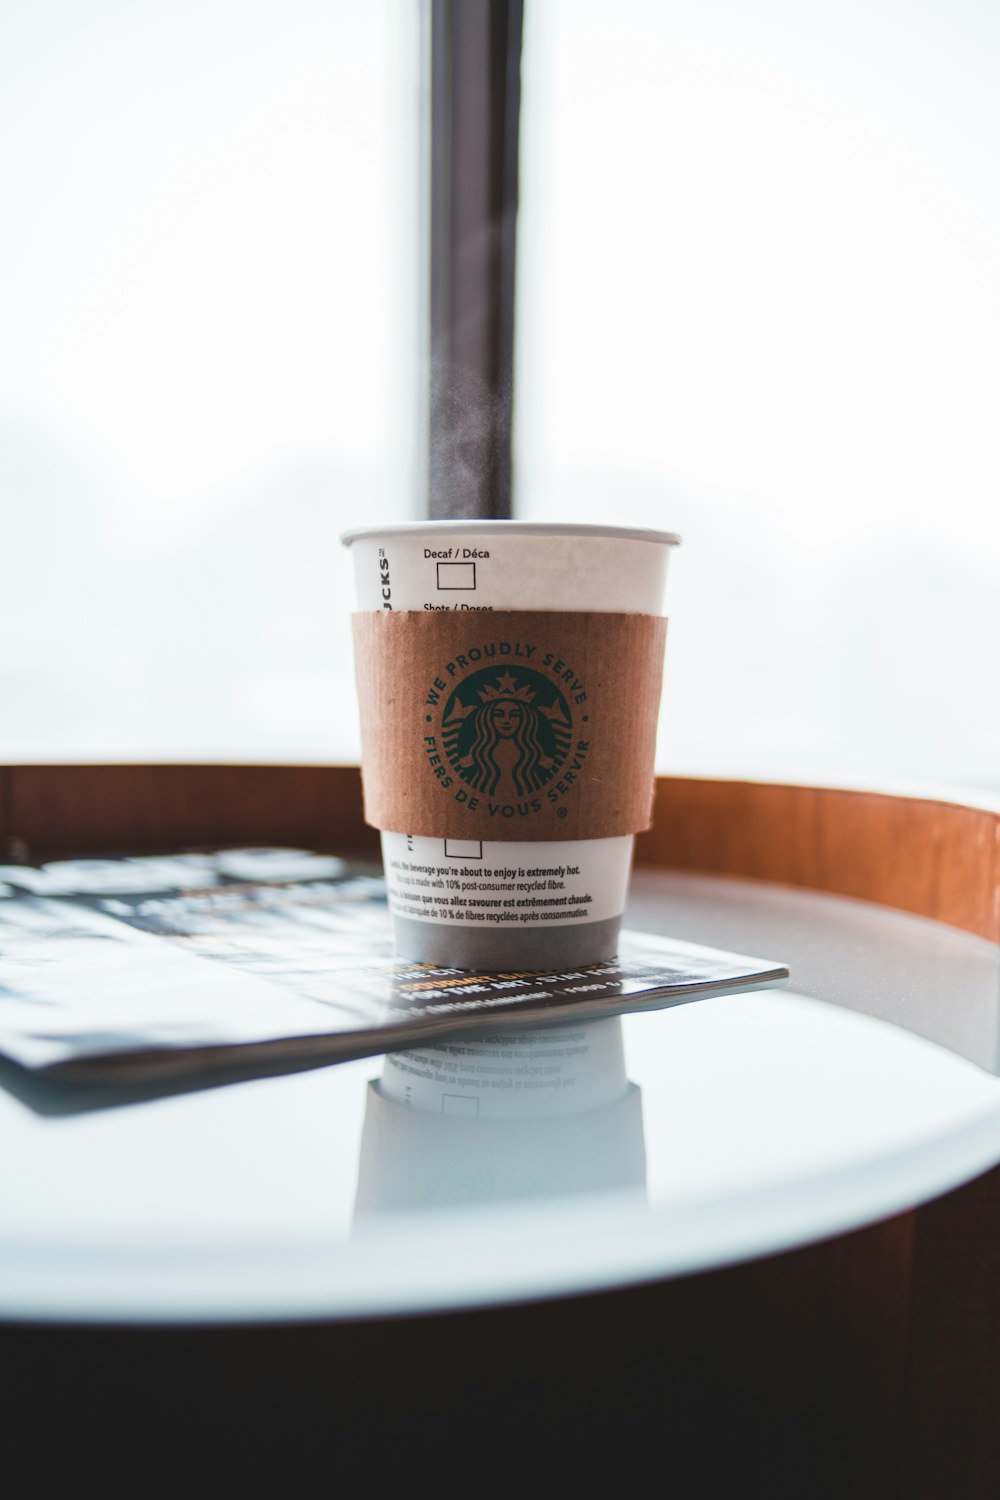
208	297
758	304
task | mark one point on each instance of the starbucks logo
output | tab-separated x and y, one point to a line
506	731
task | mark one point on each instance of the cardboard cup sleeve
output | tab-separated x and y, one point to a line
509	725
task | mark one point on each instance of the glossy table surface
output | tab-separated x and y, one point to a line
659	1145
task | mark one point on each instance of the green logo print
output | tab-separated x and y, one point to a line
506	731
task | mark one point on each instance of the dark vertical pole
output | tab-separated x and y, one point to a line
475	96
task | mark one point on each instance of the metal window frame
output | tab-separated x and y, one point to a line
472	86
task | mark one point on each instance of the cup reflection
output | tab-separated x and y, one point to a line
542	1113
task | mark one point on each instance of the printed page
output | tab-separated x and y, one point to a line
138	957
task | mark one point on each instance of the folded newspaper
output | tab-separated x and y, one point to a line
134	968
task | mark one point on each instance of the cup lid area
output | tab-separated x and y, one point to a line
499	527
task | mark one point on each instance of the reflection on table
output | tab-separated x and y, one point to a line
543	1113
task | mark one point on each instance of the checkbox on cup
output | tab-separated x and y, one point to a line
456	575
463	849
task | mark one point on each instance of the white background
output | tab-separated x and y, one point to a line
208	292
757	304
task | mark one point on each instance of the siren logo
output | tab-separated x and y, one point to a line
502	737
506	733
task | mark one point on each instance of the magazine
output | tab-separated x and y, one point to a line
145	966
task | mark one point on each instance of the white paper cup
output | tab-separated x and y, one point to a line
479	566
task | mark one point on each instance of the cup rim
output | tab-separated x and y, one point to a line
498	526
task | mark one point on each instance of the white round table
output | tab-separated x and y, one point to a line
763	1121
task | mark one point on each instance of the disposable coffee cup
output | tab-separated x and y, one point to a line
509	678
